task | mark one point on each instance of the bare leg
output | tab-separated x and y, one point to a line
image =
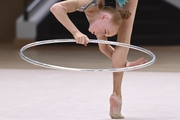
119	58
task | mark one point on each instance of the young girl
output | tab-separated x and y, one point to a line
104	22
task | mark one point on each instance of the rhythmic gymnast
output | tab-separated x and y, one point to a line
104	21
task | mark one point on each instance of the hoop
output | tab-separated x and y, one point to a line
86	70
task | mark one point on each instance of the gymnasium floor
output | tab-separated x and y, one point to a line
29	92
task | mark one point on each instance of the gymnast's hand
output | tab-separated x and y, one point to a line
137	62
81	38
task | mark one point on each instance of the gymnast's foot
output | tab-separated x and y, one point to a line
115	107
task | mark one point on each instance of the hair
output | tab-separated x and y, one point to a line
117	15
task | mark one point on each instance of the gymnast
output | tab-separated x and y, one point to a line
104	22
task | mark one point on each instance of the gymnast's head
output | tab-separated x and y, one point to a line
108	20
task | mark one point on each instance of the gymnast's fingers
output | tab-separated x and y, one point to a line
79	40
86	41
141	61
82	40
137	62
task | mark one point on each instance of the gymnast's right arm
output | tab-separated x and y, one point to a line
60	11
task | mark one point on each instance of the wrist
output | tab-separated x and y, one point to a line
75	32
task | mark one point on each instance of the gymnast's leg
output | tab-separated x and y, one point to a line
119	57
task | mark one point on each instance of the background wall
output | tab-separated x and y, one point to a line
156	22
9	12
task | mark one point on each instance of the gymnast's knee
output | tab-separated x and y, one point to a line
118	63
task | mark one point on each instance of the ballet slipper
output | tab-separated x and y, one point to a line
115	111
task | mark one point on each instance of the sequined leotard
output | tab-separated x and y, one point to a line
122	2
83	8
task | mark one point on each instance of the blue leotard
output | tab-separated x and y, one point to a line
121	2
83	8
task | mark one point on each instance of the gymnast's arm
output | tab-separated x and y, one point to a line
60	11
108	51
105	48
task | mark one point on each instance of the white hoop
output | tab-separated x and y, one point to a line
85	70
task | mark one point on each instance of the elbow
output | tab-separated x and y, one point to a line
102	47
55	7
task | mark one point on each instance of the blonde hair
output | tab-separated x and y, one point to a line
117	15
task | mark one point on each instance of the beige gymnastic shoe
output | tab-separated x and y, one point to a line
115	113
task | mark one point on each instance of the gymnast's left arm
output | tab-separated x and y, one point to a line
108	51
105	48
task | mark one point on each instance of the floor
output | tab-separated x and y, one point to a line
29	92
